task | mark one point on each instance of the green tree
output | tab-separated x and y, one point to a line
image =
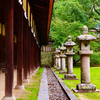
68	18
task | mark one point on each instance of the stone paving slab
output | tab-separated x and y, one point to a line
43	92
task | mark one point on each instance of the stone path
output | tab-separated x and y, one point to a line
50	89
55	90
43	92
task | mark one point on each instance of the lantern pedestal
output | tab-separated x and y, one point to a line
80	88
59	65
70	77
62	72
62	57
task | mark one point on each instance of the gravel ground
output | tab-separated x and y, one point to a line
54	88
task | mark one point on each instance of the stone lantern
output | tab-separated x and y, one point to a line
58	59
85	52
54	60
62	58
55	66
69	46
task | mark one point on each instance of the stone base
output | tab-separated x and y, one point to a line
9	98
19	87
85	88
33	74
58	69
25	81
55	67
30	76
70	77
62	72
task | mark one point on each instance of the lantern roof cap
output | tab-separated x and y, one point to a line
57	50
62	47
69	42
85	35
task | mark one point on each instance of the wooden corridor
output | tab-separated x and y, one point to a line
24	28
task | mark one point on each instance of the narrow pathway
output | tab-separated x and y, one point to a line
50	88
55	90
43	92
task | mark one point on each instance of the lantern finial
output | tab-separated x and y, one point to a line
84	30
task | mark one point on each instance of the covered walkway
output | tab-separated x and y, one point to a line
24	28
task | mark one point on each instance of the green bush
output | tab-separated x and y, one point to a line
46	58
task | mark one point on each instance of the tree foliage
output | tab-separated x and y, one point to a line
68	18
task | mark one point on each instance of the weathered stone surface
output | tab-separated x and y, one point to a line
85	52
26	81
54	88
62	56
70	77
62	72
86	37
19	87
43	92
9	98
85	87
69	45
89	52
67	91
69	42
71	54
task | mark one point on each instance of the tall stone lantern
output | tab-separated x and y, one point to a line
58	59
54	60
69	46
62	59
55	66
85	52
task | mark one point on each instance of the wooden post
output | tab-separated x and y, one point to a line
32	54
35	55
19	46
39	56
25	52
29	52
9	29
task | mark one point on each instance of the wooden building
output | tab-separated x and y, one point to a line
24	28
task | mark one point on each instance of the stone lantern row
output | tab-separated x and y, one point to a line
85	52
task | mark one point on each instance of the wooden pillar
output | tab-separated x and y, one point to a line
19	46
32	53
29	52
25	51
35	55
39	56
1	49
9	29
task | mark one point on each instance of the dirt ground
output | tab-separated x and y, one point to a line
2	83
17	92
